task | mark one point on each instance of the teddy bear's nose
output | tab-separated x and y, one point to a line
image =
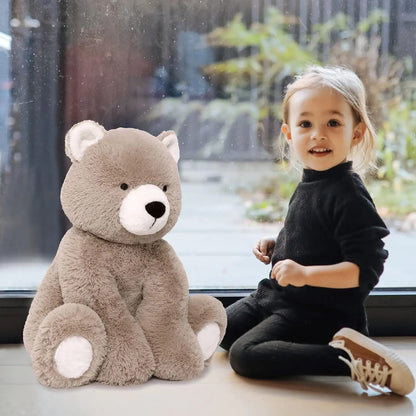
156	209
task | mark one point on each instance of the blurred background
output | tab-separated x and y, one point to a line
215	73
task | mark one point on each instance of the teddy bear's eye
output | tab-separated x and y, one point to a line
165	188
124	186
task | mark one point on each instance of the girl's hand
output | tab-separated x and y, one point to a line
264	249
288	272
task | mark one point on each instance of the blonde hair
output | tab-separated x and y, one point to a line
347	83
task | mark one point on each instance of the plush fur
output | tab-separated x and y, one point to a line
114	306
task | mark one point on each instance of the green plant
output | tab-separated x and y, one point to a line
397	144
267	53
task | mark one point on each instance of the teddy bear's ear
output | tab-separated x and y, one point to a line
80	137
169	139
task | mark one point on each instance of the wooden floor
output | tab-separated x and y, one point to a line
219	391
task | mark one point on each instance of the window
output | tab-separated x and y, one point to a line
214	72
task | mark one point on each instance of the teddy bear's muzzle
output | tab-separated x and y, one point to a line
145	210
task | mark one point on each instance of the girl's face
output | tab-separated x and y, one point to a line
321	129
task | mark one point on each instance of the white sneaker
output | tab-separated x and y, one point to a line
373	364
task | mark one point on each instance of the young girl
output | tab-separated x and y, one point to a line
309	317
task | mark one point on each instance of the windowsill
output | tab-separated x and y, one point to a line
390	312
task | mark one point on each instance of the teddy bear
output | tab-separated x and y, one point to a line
114	306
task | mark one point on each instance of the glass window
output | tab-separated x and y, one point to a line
214	72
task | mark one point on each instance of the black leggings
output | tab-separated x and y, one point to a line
263	345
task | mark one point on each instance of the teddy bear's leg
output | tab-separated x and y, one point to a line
69	347
129	359
208	320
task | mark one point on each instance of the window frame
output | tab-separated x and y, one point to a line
390	312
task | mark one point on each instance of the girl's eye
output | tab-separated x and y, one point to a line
124	186
305	124
333	123
165	188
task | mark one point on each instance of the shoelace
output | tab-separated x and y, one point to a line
367	375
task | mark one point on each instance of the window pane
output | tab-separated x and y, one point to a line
214	72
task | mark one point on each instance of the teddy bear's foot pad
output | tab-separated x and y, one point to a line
73	356
209	339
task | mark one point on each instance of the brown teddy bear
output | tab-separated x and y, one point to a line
114	306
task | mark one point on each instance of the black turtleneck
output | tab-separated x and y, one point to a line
331	219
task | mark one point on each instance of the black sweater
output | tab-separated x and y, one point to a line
331	219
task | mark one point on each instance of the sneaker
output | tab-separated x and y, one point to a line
372	364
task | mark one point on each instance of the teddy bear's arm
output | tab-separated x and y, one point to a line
165	290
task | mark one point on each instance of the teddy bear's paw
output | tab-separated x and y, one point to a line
127	364
114	374
181	366
209	338
73	357
69	347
